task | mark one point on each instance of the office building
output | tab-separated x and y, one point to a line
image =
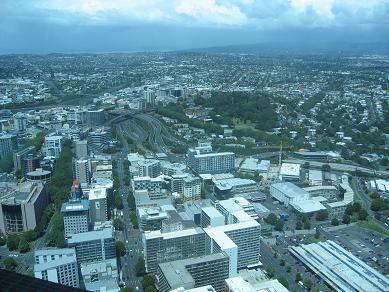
211	162
20	155
81	149
149	96
7	144
246	206
253	280
98	139
20	122
340	269
211	217
30	163
288	192
187	185
100	276
82	170
154	186
170	169
228	188
21	206
75	217
52	146
38	175
170	246
95	117
94	246
57	265
194	272
98	209
151	218
328	192
149	167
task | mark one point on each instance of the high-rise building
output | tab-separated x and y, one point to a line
187	185
58	266
98	210
30	163
194	272
75	217
81	149
149	96
152	185
95	117
163	247
7	144
149	167
211	162
20	122
20	155
98	139
82	170
94	246
21	206
52	146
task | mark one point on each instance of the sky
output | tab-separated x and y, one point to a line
45	26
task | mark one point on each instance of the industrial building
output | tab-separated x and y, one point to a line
290	172
287	193
340	269
328	192
228	188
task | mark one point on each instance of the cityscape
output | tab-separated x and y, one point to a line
226	168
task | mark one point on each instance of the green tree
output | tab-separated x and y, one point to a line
30	235
127	289
150	289
322	215
140	268
282	262
308	283
120	249
289	269
362	214
357	207
279	225
346	219
118	224
23	245
270	272
298	277
317	233
272	219
10	264
284	282
6	163
307	224
12	242
299	225
147	281
335	222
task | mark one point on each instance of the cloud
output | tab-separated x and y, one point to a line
248	14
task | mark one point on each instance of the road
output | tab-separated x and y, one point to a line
131	236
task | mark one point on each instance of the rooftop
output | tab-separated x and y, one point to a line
290	169
290	190
308	206
339	268
91	235
82	205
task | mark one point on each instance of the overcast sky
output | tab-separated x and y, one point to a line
42	26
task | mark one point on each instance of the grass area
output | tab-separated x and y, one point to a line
313	239
239	124
371	225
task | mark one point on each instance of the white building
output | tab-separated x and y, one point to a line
57	265
82	170
288	193
290	172
52	145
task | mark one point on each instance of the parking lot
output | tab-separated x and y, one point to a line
367	245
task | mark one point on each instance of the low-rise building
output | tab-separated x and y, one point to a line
288	192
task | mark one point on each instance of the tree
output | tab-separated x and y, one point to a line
317	233
326	168
346	219
307	224
270	272
10	264
150	289
127	289
120	248
335	222
299	225
147	281
298	277
284	282
23	245
279	225
308	283
349	210
6	163
322	215
272	219
357	207
30	235
282	262
289	269
12	242
140	268
362	214
118	224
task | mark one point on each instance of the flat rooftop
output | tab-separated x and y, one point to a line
290	190
308	206
339	268
91	235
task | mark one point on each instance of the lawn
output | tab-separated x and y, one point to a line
371	225
239	124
